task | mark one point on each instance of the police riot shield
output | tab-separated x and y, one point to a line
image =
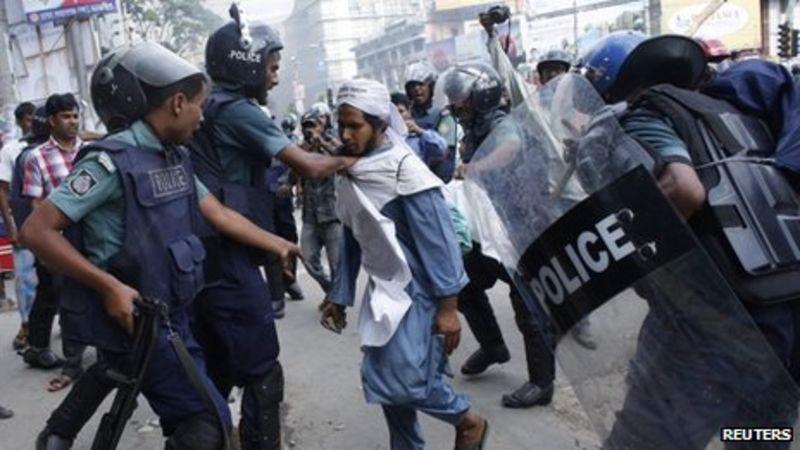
681	363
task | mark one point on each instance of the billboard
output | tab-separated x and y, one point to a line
39	11
737	23
442	5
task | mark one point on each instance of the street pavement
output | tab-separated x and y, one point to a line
324	407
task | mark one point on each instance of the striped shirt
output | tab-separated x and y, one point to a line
46	167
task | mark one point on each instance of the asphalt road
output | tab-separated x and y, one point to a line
324	407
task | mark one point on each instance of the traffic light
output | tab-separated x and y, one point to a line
795	47
784	41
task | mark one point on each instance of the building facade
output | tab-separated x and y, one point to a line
321	35
386	56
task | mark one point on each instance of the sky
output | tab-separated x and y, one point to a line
271	11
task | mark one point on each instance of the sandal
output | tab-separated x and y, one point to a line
58	383
478	444
21	340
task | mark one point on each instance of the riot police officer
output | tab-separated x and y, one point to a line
289	126
656	77
132	197
420	84
554	63
233	316
474	92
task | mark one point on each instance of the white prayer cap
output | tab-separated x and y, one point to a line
371	97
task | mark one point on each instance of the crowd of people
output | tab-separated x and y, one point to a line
190	200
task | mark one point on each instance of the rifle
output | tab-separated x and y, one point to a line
148	313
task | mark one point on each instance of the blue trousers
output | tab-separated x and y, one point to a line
408	375
235	324
166	385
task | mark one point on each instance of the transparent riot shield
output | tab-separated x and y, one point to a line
681	362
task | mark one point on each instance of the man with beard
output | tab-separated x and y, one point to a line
397	224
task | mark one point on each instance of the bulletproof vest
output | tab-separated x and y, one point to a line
474	137
160	256
20	205
434	119
427	118
252	201
750	224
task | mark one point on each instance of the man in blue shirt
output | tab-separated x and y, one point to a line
420	84
427	144
408	327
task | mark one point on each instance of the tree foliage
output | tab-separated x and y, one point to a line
179	25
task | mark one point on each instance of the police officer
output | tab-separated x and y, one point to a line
131	197
420	84
554	63
289	126
233	318
322	112
474	92
662	115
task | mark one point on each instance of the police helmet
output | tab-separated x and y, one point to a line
478	82
669	58
118	81
40	130
289	122
236	52
308	118
320	109
420	72
603	61
555	56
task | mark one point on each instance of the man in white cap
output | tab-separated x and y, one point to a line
396	224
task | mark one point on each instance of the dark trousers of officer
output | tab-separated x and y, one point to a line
286	228
40	323
182	412
234	323
683	383
483	273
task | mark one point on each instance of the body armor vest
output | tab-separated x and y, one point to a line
751	222
160	256
252	201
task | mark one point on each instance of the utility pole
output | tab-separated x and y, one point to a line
8	83
79	58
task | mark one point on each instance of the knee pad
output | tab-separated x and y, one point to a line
260	428
198	432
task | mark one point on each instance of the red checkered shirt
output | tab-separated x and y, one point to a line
46	167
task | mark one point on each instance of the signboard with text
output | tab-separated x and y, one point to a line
39	11
737	23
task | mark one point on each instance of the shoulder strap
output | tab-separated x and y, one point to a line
684	119
105	145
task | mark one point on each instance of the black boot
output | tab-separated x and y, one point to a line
49	441
529	395
279	308
294	291
42	358
481	359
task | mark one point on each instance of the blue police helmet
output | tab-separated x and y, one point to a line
603	61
